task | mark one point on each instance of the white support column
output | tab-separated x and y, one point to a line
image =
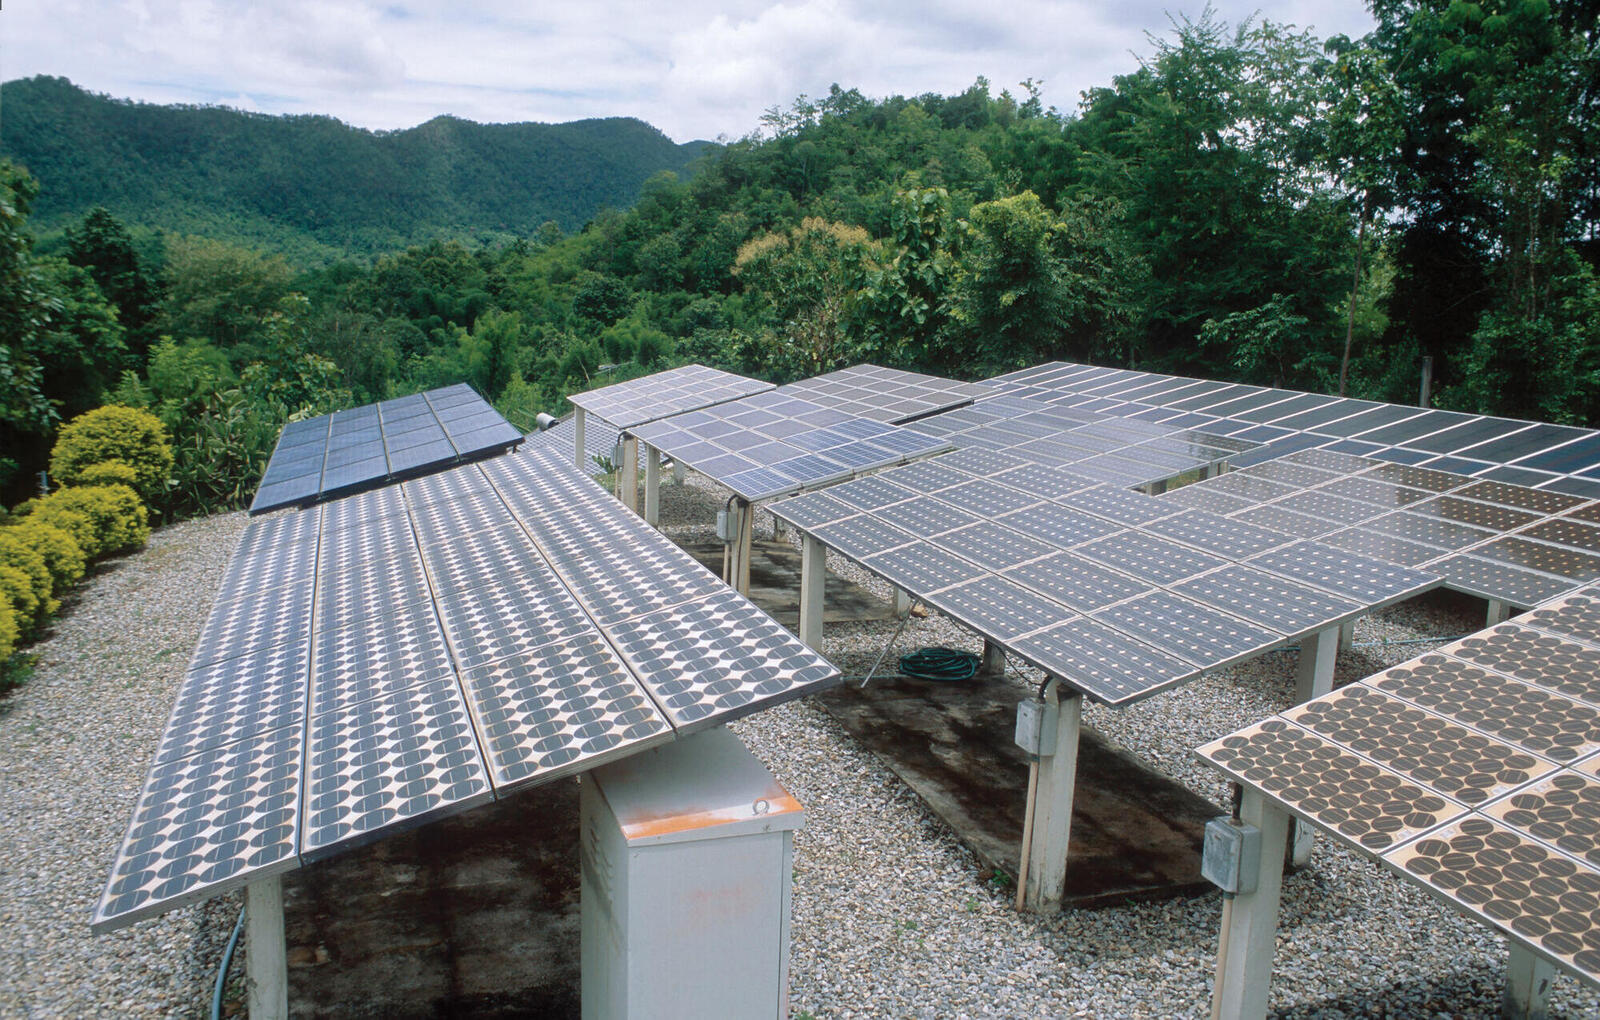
652	485
1527	983
1052	812
813	583
579	446
1250	921
1499	612
902	602
678	472
993	662
1347	635
630	473
266	958
1313	679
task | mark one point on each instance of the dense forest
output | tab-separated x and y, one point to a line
1247	202
311	188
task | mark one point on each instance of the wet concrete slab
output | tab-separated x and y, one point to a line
775	584
475	915
1136	834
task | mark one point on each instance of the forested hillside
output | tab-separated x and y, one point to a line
313	188
1247	202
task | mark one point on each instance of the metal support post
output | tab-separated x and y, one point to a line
993	662
813	583
1250	921
1313	679
579	449
266	958
678	472
1052	823
1527	983
1347	635
630	473
1499	612
652	485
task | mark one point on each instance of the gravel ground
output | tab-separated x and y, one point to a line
892	916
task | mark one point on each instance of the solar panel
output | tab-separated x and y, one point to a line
1277	604
987	499
1222	535
1491	580
886	394
1545	558
664	394
1102	661
926	516
817	508
992	544
1471	512
1566	531
1535	500
1433	531
995	606
1076	582
1057	525
1371	582
349	451
922	570
1148	558
863	535
1377	545
1118	505
1187	629
1290	522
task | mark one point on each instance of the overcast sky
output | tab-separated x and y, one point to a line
695	69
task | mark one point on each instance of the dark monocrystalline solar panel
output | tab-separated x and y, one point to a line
1463	436
369	446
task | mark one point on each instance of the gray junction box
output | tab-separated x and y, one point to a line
687	852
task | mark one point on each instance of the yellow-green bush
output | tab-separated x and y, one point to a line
60	550
9	632
114	433
109	472
17	592
24	558
102	518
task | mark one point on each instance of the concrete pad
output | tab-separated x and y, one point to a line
775	584
473	915
1136	834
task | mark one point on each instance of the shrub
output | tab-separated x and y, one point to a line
22	557
113	432
109	472
102	518
17	592
9	632
62	553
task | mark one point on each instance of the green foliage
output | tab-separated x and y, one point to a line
102	519
109	472
10	633
60	551
18	555
604	299
18	594
133	438
102	246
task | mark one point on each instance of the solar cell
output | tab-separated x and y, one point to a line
1045	480
1473	513
1545	660
1329	506
1566	531
1537	501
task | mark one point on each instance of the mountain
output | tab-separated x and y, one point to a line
312	187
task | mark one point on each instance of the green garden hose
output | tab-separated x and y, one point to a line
945	665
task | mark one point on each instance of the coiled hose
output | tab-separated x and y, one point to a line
942	665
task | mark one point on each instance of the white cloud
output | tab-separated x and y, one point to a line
694	70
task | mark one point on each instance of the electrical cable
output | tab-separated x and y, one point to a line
222	972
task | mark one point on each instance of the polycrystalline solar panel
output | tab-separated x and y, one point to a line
1491	580
922	569
412	754
559	708
1245	486
1566	531
863	535
1377	545
170	857
1075	582
1187	629
871	493
815	509
1228	537
1275	603
664	394
1385	495
1045	480
992	544
1058	525
987	499
1536	500
717	659
1289	522
1548	559
983	463
1330	507
1118	505
1434	531
1417	477
1331	460
926	516
994	606
1369	581
1102	662
1149	558
1201	497
1473	513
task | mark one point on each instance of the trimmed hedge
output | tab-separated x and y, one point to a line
62	554
101	518
17	592
24	558
114	433
9	632
109	472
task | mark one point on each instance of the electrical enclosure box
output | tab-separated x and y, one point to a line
1230	857
687	852
1037	723
724	526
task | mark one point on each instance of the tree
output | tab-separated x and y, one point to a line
102	245
223	293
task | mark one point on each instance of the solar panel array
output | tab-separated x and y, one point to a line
1494	539
1119	594
1099	446
338	454
888	395
1473	772
775	444
663	394
1557	458
378	661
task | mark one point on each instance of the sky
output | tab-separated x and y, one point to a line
694	68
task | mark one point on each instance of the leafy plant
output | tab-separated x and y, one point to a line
62	555
127	435
103	519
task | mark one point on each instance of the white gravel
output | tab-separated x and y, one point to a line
892	917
